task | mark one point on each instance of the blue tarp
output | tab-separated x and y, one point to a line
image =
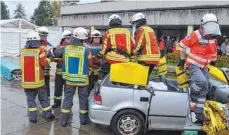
7	67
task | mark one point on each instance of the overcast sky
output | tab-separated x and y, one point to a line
30	5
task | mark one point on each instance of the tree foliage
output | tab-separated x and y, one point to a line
56	11
4	11
19	12
43	15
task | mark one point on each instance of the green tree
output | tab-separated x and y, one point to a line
19	12
43	15
56	11
4	11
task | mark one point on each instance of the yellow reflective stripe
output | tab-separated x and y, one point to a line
48	97
48	60
32	84
118	31
128	43
139	44
58	98
89	56
83	111
46	108
76	75
65	110
148	46
113	43
104	46
77	83
58	71
42	55
37	69
32	109
22	69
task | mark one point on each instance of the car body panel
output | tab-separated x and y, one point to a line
169	108
98	115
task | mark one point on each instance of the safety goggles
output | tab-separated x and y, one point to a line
96	35
44	34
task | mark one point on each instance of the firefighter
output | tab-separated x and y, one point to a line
176	45
76	60
43	32
32	60
146	48
95	46
202	44
59	81
162	47
118	42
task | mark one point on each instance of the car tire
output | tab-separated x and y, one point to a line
126	120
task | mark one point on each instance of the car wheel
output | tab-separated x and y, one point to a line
128	122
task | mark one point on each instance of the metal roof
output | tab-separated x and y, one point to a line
15	23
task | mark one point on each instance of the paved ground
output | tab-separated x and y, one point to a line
15	121
14	118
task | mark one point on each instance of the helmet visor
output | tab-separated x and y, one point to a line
212	28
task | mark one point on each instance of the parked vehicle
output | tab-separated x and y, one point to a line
125	107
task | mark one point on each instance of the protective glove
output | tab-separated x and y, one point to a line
181	64
213	63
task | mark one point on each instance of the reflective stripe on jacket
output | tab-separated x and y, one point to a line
32	61
146	45
202	51
117	45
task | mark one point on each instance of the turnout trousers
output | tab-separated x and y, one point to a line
59	84
199	88
68	103
47	85
93	78
31	95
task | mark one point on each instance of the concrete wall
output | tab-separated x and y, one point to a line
137	4
163	17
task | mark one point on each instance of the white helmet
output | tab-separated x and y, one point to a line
209	18
80	33
42	30
66	33
210	25
137	17
32	35
112	17
96	33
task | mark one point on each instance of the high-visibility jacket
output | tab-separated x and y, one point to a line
46	46
202	51
117	45
146	45
162	45
75	65
176	47
60	61
95	48
32	62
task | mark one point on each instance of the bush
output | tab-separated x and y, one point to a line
222	61
173	58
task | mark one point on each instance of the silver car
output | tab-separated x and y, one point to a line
126	108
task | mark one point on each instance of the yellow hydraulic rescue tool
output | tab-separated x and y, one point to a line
162	66
217	73
182	78
130	73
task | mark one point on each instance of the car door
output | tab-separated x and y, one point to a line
168	110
